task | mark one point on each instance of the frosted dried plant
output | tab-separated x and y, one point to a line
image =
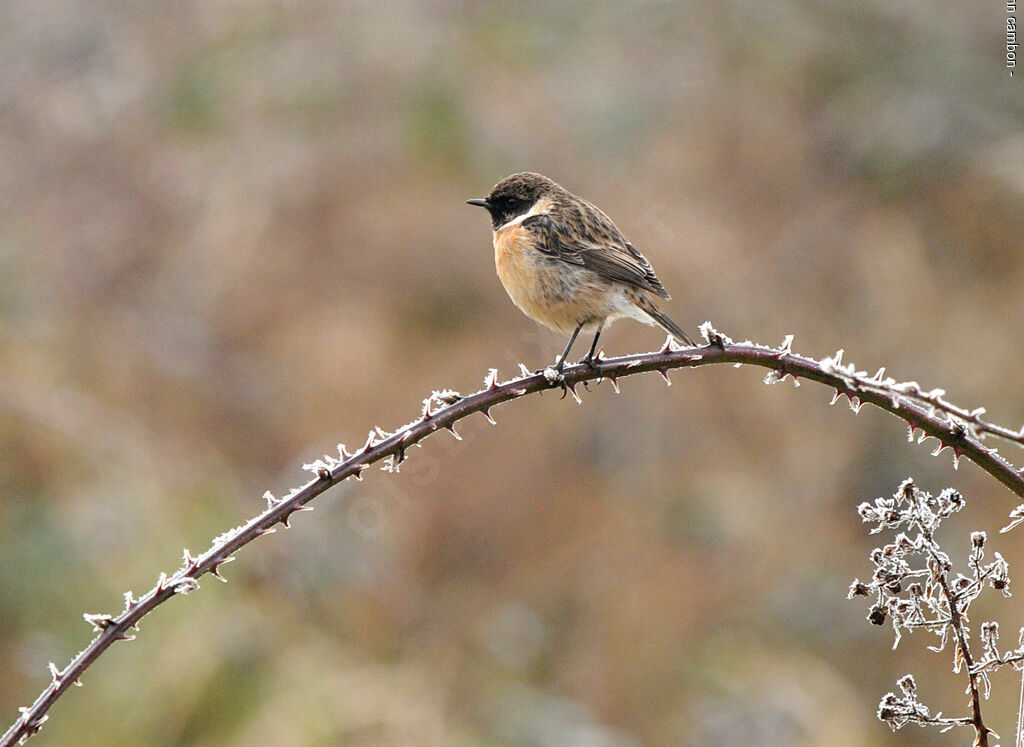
915	586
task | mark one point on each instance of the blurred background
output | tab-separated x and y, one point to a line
233	234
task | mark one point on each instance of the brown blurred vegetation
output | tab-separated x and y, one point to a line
233	234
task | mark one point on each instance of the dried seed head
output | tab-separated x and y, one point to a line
858	589
877	615
908	685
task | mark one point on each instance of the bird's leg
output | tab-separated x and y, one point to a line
565	353
589	357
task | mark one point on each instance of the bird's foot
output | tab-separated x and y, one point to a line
553	370
554	377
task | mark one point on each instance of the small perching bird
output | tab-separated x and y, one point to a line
566	265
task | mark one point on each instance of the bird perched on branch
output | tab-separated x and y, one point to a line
566	265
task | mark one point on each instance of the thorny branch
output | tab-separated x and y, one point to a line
963	431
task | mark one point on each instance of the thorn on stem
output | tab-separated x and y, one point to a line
98	622
31	727
571	389
186	585
491	381
286	519
449	397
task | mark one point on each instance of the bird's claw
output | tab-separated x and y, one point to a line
552	370
553	375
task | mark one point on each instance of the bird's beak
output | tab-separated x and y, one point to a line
479	203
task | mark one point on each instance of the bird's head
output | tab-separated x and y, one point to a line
515	195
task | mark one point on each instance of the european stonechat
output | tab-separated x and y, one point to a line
566	265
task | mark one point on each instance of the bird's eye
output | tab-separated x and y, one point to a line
508	205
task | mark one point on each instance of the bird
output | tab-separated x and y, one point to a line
566	265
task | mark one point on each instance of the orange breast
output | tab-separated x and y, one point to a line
512	260
553	293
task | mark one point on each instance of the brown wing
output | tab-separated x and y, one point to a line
588	237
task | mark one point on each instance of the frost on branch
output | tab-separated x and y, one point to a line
712	336
915	586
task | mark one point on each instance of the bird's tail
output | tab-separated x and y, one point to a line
668	325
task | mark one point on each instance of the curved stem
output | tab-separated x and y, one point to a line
958	429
